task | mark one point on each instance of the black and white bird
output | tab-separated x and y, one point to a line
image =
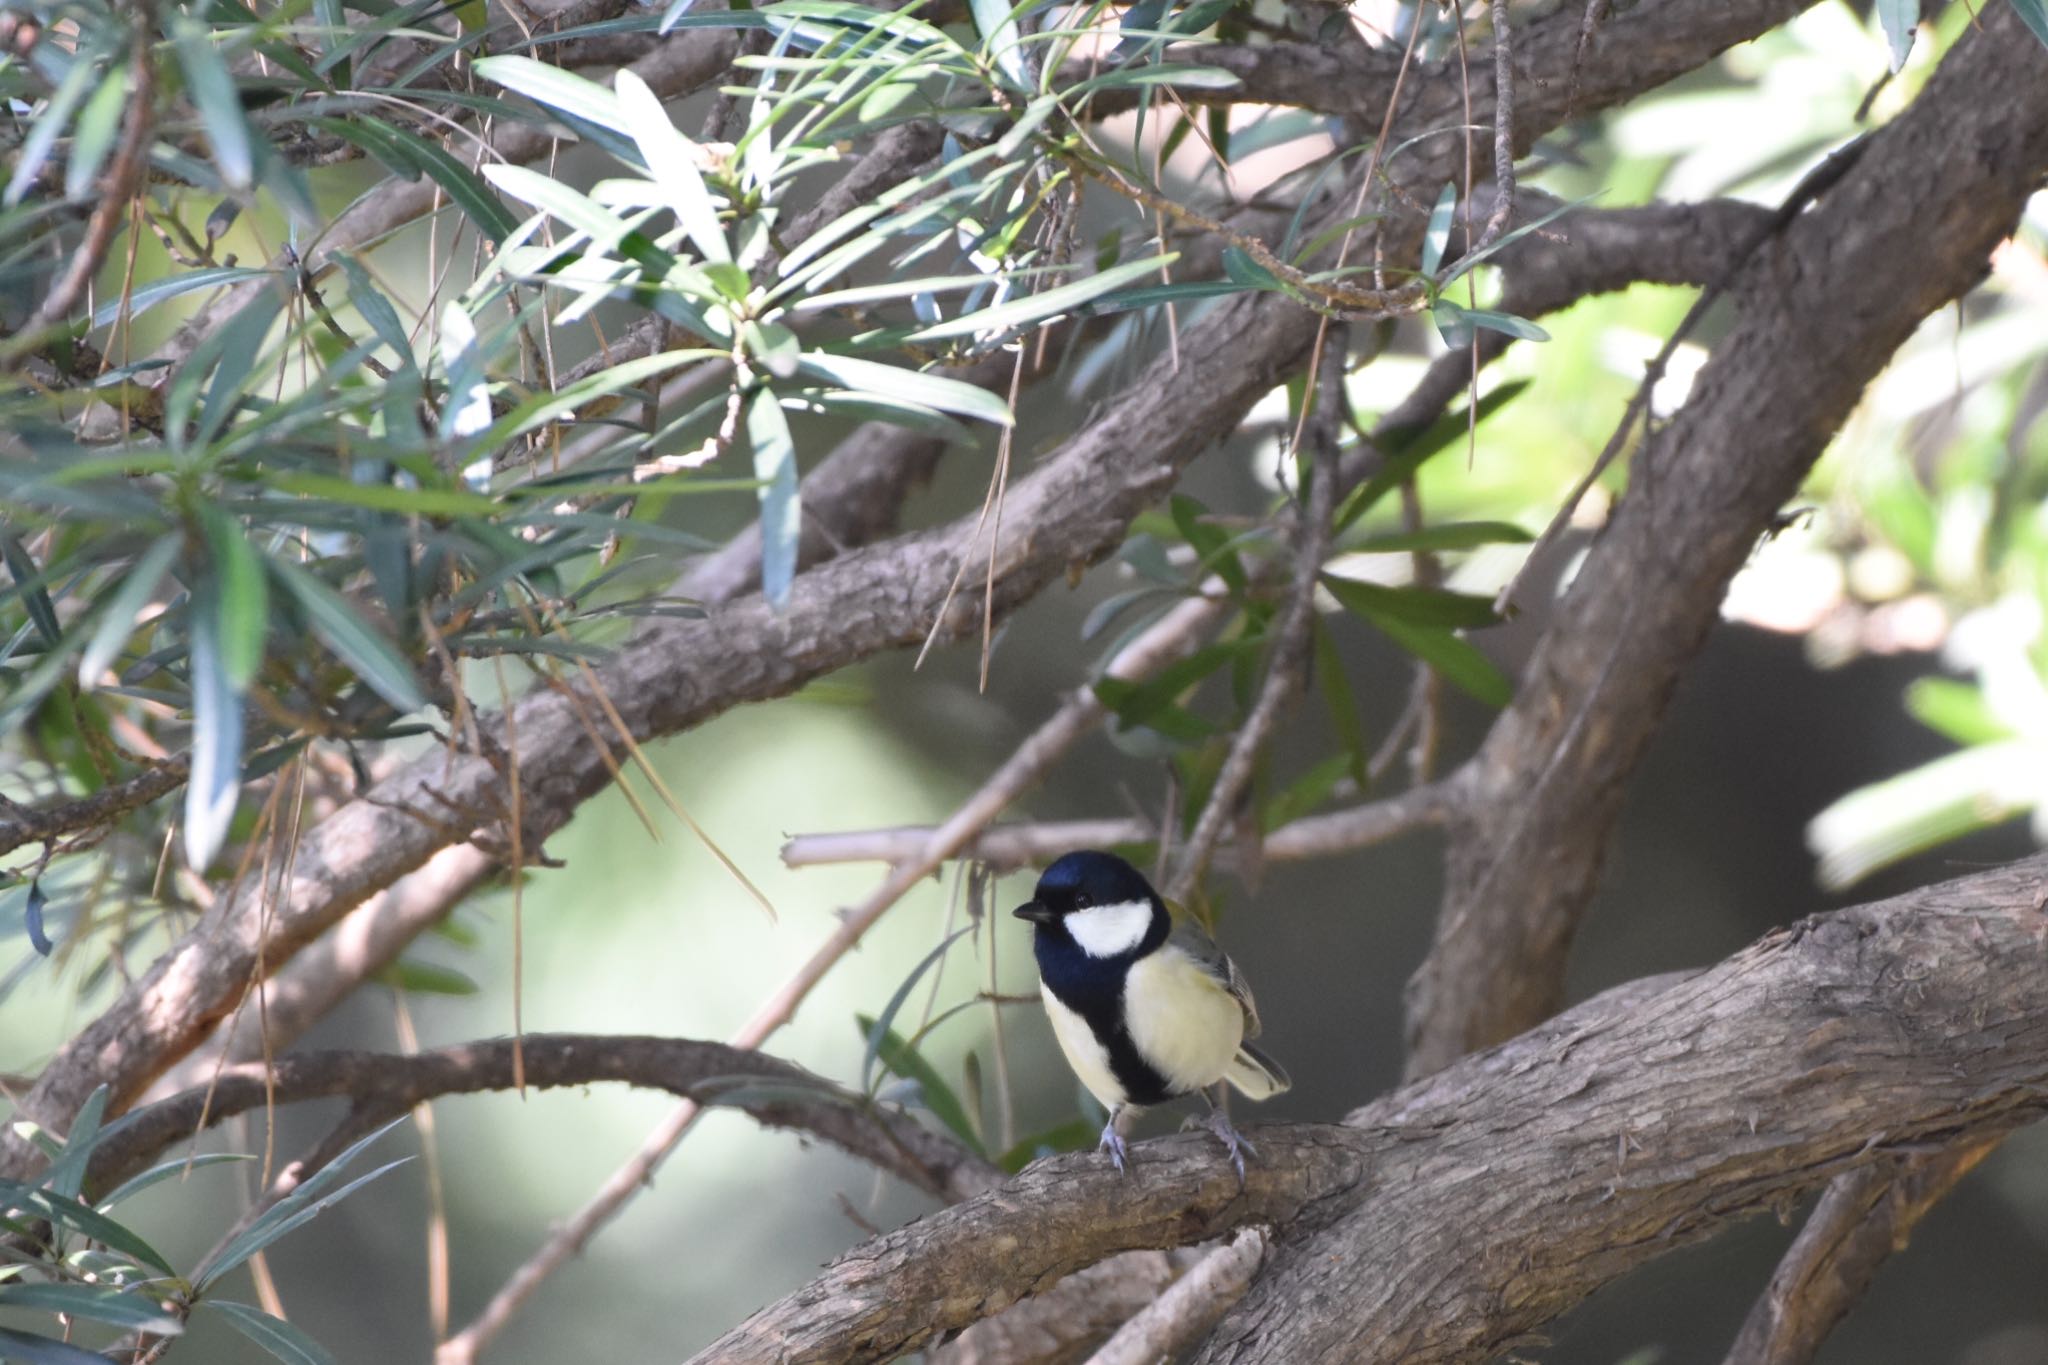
1145	1005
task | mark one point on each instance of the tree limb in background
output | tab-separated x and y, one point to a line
1547	783
1643	1120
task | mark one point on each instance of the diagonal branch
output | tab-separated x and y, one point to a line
1548	782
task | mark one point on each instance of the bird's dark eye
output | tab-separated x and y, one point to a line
1083	901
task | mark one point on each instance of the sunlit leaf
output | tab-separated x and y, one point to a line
1044	304
781	515
216	778
909	386
672	158
1437	235
242	597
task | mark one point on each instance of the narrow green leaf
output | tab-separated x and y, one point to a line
296	1209
375	308
48	125
1456	535
672	158
1408	450
909	386
1335	685
98	122
1248	273
1457	660
149	295
906	1061
463	185
100	1303
1898	18
560	90
1143	703
996	23
216	780
1416	605
1305	793
284	1341
1957	710
243	597
21	566
85	1221
66	1174
123	607
427	978
1072	1136
387	497
2034	14
212	88
26	1348
164	1170
1437	236
887	1018
1044	304
343	629
781	514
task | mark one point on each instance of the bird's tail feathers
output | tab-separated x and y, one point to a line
1255	1075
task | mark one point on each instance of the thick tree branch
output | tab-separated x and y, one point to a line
1940	186
1472	1207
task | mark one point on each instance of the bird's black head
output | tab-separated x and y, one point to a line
1128	916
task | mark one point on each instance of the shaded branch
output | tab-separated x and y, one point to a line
1640	1121
382	1086
1862	1220
30	824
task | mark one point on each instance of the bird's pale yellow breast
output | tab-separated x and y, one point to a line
1183	1020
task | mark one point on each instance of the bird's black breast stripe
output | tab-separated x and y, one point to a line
1085	987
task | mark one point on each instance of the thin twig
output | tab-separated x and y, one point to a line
1291	640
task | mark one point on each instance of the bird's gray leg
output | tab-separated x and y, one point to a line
1218	1123
1115	1131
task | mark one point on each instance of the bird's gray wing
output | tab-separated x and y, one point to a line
1192	939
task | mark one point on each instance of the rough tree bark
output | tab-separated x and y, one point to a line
1451	1217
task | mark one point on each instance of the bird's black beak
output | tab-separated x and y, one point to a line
1036	912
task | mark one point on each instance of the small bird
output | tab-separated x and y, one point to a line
1145	1006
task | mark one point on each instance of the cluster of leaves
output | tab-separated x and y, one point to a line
75	1259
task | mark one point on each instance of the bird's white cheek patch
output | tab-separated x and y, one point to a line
1110	930
1084	1054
